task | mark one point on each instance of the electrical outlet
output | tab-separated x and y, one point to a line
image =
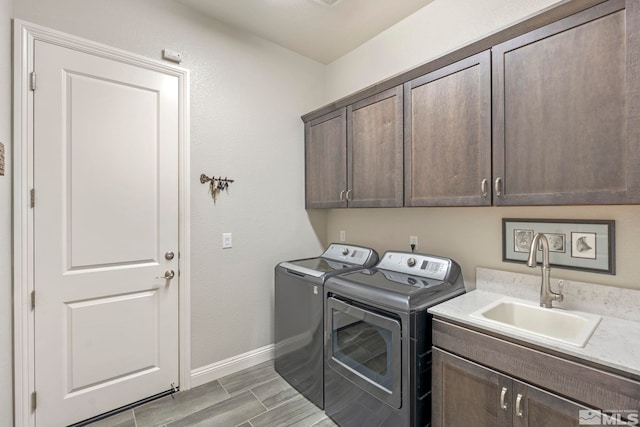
226	241
413	240
343	236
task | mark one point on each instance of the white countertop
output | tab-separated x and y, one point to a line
615	342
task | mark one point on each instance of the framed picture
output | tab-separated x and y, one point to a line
583	245
587	245
522	240
557	242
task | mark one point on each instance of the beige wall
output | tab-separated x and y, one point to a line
6	295
472	236
246	99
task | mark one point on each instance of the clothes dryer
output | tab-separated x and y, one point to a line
378	339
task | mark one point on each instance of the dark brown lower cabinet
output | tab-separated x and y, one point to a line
535	407
486	380
468	394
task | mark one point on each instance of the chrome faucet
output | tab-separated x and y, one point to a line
547	296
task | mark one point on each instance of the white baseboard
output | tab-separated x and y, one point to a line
231	365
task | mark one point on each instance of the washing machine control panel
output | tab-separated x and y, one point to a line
348	253
416	264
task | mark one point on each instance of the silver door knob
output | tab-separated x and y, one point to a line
169	255
168	275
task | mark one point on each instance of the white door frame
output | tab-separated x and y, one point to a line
25	34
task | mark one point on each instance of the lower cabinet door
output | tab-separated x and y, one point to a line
467	394
537	408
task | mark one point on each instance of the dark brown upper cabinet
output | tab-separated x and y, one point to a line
354	154
566	110
374	129
447	135
545	112
326	161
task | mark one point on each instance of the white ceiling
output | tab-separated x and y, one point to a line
323	30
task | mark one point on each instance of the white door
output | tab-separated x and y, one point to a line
105	216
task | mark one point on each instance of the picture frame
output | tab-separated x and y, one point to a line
586	245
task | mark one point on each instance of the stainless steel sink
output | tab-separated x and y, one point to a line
568	327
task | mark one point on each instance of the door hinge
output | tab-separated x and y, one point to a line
33	197
33	300
32	80
34	401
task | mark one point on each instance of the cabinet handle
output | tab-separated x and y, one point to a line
484	187
349	194
503	394
518	402
497	186
342	196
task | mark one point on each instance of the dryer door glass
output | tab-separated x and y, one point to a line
365	348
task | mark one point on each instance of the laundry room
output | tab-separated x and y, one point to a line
249	90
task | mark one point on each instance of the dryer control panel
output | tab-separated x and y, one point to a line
421	265
348	253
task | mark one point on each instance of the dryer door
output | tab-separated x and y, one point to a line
365	349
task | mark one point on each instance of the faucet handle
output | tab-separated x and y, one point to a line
560	286
559	296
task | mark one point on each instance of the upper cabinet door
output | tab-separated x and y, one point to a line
567	110
447	136
326	161
375	150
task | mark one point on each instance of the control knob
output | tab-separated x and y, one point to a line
345	251
411	262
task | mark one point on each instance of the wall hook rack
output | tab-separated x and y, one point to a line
216	185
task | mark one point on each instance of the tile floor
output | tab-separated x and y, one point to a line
255	397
